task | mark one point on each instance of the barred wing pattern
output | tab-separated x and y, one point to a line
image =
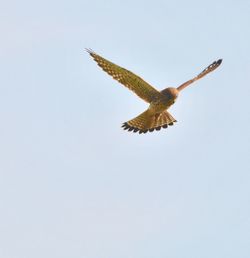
127	78
156	116
207	70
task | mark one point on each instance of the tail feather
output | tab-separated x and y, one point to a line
147	121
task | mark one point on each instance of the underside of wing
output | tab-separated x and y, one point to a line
127	78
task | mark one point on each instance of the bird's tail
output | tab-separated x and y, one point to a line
148	122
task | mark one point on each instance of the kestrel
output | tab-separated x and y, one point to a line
156	116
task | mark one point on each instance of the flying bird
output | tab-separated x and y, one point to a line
156	116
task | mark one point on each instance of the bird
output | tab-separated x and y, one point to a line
156	116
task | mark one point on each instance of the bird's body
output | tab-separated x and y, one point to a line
156	116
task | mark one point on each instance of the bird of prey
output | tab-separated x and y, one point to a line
156	116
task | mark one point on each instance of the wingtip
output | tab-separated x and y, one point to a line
89	50
219	61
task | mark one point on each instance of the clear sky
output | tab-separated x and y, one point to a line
72	182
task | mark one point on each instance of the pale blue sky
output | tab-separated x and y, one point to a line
72	183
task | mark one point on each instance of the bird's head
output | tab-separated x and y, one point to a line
170	92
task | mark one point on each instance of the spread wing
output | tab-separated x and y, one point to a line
127	78
207	70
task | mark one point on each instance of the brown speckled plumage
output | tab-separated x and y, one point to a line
156	116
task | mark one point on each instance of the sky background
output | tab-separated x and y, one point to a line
72	183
